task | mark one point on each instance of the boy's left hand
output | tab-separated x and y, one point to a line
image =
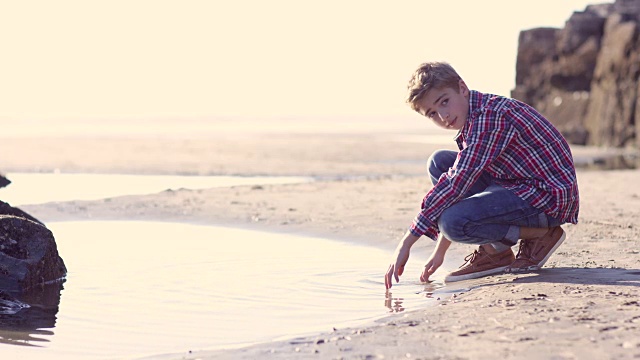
434	262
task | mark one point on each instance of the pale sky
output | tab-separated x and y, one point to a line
151	58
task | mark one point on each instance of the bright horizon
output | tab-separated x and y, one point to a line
200	59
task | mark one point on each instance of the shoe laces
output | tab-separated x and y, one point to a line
525	249
469	259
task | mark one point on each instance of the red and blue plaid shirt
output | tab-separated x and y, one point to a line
519	149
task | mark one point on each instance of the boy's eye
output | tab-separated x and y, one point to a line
445	101
431	115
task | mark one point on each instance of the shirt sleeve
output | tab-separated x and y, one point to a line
482	149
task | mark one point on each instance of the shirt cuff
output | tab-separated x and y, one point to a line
429	231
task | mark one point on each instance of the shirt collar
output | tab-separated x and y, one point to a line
475	104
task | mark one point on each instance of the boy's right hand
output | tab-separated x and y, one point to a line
396	268
400	258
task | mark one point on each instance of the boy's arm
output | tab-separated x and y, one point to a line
483	147
400	258
436	259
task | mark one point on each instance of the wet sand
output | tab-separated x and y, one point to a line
583	304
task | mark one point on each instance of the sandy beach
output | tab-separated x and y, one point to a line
585	304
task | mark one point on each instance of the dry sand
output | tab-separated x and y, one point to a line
585	304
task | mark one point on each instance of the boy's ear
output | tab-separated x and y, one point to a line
462	87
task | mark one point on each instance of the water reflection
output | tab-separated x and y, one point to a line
396	304
27	319
393	304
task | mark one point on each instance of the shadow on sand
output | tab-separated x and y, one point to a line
583	276
577	276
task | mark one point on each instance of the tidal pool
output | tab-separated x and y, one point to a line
136	289
37	188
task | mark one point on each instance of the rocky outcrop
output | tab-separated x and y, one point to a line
585	77
31	274
28	253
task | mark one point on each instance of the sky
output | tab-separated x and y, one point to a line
137	59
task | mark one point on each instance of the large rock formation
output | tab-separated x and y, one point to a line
31	274
585	77
28	252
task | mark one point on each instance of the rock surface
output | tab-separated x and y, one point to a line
28	252
585	77
4	181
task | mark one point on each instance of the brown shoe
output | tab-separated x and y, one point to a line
534	253
480	263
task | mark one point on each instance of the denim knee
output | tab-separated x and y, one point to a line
451	225
439	162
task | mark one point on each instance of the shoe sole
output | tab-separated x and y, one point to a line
453	278
541	263
510	270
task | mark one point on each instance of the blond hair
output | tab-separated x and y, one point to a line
431	75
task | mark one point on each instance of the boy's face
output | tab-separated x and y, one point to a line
446	107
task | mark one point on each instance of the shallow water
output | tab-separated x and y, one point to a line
37	188
142	288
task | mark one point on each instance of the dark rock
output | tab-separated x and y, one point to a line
580	28
535	48
31	277
4	181
28	255
585	77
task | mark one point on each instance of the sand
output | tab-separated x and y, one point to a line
584	304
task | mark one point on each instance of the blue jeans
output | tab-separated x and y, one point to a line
488	213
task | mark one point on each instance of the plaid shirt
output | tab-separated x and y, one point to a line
519	149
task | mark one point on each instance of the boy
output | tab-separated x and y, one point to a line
512	179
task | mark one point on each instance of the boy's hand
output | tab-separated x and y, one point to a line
401	257
396	269
434	262
436	259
